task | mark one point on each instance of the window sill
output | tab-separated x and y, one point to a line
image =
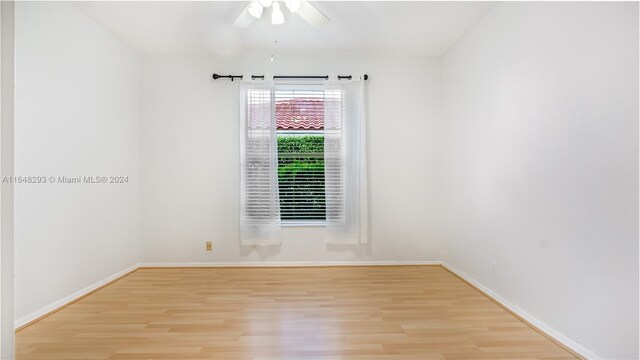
303	224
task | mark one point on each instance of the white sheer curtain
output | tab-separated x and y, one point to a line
345	164
259	200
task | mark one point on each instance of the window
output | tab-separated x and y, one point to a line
302	161
300	146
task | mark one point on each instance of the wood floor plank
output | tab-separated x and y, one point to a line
348	313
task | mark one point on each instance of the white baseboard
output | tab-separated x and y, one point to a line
540	325
286	263
70	298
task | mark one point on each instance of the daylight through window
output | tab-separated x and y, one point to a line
300	135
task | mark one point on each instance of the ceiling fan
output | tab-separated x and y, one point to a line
301	7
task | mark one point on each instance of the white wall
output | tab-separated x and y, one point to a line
534	165
190	159
540	165
77	113
7	56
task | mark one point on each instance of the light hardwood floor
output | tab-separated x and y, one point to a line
394	313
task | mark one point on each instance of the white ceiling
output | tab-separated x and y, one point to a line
357	27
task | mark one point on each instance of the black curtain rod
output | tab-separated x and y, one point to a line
261	77
326	77
216	77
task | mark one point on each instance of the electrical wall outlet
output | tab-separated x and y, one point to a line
209	245
494	268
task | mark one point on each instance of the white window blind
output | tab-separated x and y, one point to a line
334	156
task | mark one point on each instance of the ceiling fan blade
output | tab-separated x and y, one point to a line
312	15
244	19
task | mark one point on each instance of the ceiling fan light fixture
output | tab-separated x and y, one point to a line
277	17
255	9
304	9
292	5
